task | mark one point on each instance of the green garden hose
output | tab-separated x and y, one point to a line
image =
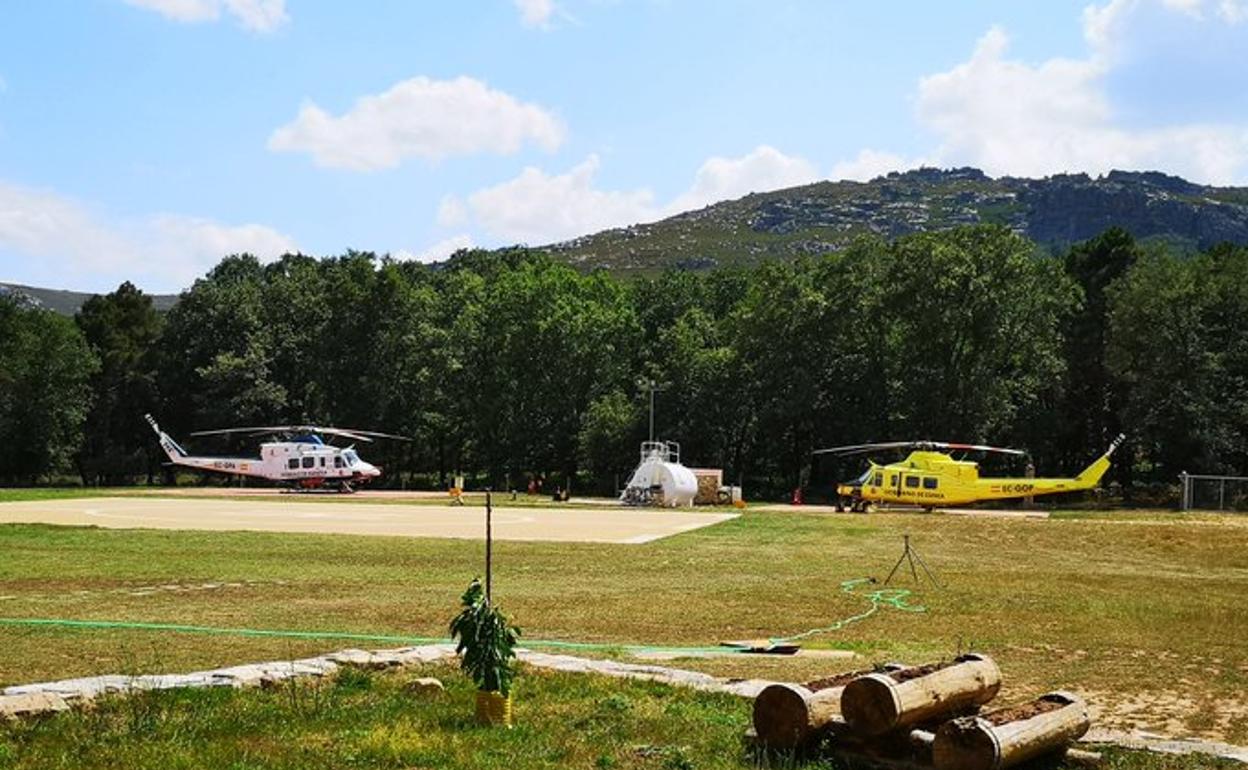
883	597
887	597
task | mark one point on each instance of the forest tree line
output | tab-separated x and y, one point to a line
506	365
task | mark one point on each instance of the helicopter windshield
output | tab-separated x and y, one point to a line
862	480
351	457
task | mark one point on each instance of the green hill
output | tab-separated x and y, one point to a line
817	218
814	219
67	302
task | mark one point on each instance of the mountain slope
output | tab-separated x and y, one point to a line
68	302
1054	212
814	219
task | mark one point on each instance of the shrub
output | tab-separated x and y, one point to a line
485	641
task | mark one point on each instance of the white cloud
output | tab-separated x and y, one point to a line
766	168
255	15
868	164
452	212
259	15
1009	117
535	13
1234	11
1190	7
537	208
64	240
438	251
204	242
1101	22
1103	25
186	11
422	118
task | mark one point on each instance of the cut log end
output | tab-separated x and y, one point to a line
780	715
880	702
869	704
998	740
967	744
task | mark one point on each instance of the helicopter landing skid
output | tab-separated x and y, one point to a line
342	487
853	504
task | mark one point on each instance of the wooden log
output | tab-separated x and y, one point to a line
1083	758
788	715
1006	737
877	703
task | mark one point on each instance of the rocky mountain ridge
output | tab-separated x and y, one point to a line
813	219
64	301
1054	212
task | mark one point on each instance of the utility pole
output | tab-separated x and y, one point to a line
654	388
652	410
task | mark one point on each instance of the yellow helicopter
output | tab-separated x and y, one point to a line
930	477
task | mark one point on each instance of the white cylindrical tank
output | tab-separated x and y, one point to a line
679	484
657	470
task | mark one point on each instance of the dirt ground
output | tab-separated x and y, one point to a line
444	521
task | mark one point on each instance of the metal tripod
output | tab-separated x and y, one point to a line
911	555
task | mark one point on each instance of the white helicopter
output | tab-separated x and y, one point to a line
303	461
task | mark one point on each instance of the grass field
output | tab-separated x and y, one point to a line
1143	613
362	720
375	497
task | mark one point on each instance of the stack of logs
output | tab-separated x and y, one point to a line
920	717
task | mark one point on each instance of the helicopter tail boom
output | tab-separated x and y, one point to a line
179	456
1091	476
999	488
175	452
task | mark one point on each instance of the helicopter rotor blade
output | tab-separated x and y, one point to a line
225	431
855	449
366	436
343	432
376	434
975	448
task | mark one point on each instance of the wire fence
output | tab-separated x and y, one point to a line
1213	493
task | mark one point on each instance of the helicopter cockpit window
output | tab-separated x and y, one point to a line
308	462
351	457
929	483
864	478
879	479
292	463
337	461
912	481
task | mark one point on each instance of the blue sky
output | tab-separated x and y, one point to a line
144	139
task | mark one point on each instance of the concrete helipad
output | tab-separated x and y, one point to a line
464	522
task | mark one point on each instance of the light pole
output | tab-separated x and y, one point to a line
654	388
